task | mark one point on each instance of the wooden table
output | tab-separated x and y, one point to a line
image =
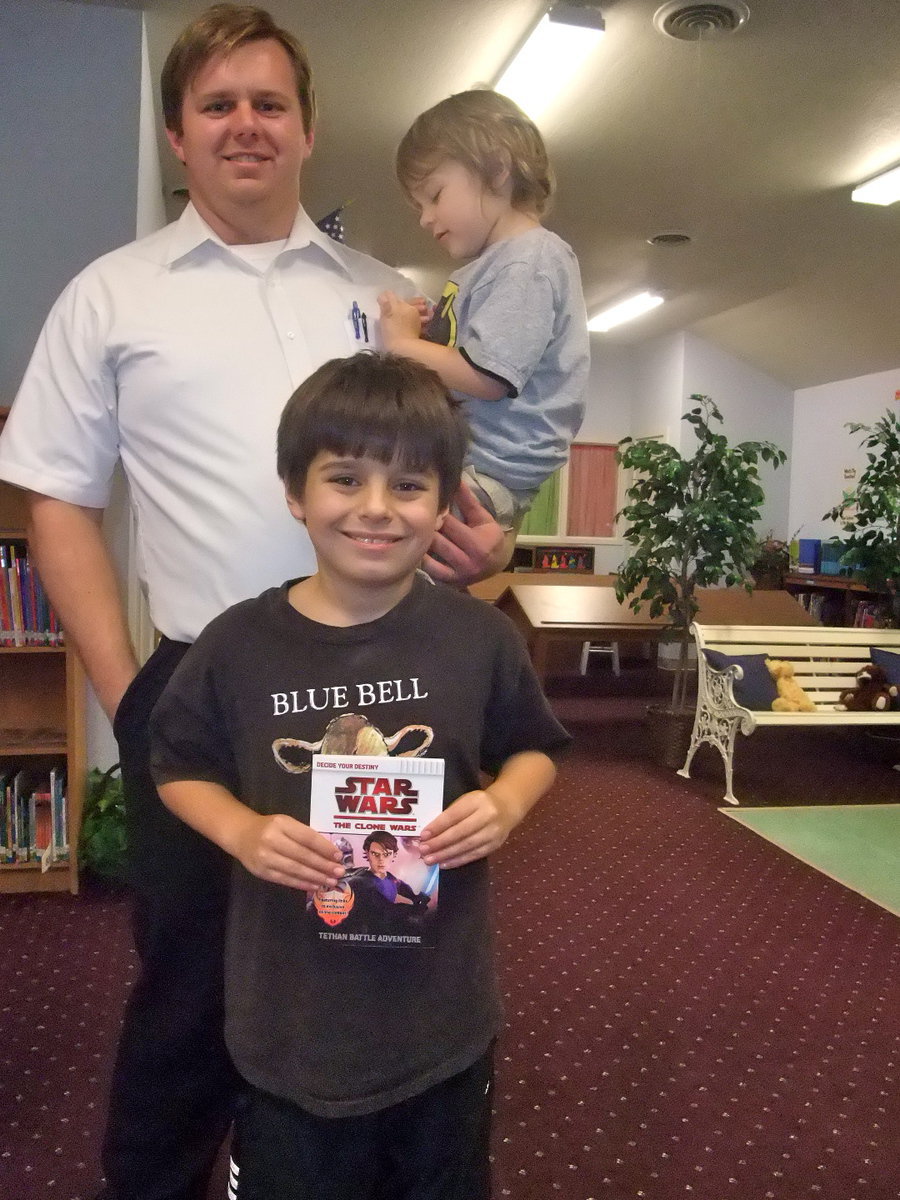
552	612
492	589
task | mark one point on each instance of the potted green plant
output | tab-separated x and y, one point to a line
771	558
101	845
870	513
691	520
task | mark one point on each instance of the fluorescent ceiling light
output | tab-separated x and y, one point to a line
555	49
627	310
883	189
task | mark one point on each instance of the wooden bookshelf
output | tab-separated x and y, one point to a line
842	594
42	722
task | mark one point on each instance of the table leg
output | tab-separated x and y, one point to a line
540	650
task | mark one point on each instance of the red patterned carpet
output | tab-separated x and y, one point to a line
691	1012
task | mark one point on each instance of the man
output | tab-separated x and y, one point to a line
176	355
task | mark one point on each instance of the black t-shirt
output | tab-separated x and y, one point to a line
341	1030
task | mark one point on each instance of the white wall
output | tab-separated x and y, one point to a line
151	206
658	388
607	416
824	448
754	407
642	391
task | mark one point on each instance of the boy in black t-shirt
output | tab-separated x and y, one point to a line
368	1069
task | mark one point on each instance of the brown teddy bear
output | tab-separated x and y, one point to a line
873	692
791	696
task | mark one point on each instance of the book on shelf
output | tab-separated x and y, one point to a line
817	605
26	617
865	615
388	895
41	820
33	825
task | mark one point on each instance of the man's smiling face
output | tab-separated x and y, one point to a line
242	141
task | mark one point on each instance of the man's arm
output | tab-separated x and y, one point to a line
401	334
66	543
477	823
469	549
277	848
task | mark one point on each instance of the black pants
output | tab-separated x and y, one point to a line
174	1088
431	1147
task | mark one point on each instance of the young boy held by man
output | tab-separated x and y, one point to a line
509	335
368	1069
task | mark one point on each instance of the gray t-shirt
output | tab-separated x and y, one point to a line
343	1030
517	313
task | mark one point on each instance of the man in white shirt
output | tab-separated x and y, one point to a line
176	355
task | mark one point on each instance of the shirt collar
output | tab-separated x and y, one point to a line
190	232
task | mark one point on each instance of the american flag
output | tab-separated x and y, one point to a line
333	223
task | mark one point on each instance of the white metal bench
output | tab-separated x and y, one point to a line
825	664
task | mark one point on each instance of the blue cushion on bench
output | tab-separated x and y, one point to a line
757	689
890	664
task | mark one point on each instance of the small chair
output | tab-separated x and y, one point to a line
589	648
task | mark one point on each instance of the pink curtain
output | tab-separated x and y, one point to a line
592	490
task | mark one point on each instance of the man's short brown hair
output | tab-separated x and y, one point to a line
486	132
220	30
382	406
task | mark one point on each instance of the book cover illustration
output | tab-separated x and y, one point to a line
374	810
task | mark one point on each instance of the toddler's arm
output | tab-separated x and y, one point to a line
401	327
477	823
277	848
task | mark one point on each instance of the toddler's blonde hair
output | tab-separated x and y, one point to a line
486	132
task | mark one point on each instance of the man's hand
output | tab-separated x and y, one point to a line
400	321
469	549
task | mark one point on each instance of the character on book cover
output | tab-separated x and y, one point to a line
372	899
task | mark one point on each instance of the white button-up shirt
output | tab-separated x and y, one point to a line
176	354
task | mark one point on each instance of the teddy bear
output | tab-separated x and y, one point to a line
791	696
873	692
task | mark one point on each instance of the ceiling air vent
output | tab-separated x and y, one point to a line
689	22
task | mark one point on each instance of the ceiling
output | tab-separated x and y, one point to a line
749	142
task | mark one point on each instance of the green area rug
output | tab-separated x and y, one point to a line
856	844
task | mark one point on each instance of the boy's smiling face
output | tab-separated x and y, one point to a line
459	211
370	523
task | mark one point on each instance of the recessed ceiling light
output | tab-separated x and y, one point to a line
883	189
563	39
626	310
669	239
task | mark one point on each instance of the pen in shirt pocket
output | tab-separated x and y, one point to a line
360	323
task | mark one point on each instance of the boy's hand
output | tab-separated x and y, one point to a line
400	320
283	850
473	826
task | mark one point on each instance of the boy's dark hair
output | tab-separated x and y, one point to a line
220	30
486	132
380	405
383	838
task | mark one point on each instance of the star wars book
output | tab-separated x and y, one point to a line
374	810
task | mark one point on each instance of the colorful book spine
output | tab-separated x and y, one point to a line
26	618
